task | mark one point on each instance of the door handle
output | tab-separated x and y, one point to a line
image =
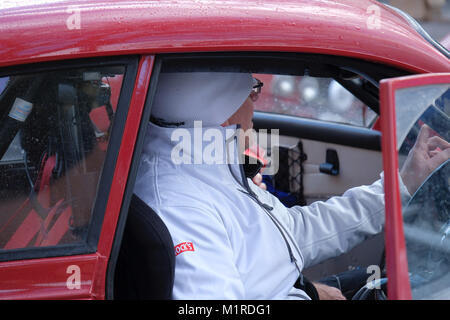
331	166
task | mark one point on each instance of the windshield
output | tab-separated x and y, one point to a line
426	217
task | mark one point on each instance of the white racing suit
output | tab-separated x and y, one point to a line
234	240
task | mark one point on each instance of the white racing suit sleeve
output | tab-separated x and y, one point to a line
329	228
209	270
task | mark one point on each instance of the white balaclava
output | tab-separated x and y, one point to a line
212	97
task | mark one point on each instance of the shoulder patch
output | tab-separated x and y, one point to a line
184	246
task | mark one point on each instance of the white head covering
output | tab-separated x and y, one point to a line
208	96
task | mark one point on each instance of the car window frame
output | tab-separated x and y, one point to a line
106	178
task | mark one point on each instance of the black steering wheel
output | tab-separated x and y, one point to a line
374	290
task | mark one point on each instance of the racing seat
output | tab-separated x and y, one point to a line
146	264
40	228
62	162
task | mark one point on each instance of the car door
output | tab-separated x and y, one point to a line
67	138
416	108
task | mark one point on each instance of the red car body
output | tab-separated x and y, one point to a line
446	41
39	33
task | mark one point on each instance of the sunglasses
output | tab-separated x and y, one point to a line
256	90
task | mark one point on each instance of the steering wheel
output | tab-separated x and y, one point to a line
430	204
374	290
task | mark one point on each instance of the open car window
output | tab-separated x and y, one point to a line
55	131
426	218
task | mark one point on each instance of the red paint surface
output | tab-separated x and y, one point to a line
31	33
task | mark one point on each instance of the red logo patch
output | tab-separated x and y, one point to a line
184	246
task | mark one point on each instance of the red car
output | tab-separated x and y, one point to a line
77	80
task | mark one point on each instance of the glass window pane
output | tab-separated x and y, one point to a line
426	217
54	136
312	97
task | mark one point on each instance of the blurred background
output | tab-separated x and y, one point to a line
433	15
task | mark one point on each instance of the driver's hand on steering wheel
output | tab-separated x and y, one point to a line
326	292
428	153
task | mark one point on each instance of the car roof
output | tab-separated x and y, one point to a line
42	30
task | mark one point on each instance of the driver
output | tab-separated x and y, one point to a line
234	240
